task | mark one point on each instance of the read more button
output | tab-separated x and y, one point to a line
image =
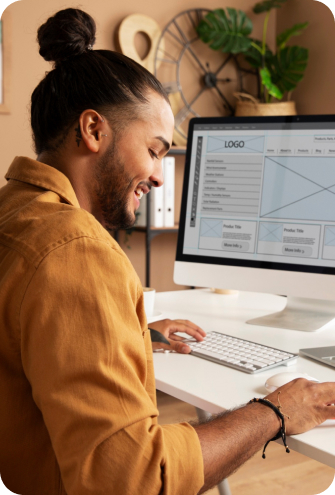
240	246
290	250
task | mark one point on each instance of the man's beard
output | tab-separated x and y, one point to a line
113	186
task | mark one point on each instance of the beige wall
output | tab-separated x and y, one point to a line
28	67
313	96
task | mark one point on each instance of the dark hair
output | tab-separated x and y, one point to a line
83	78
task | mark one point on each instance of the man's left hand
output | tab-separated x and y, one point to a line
169	328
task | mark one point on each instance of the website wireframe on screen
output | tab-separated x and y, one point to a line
262	192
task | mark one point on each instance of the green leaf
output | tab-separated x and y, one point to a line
287	67
267	5
295	30
254	57
273	90
227	31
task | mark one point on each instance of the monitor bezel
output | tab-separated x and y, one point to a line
270	265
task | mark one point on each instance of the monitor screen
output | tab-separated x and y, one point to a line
260	193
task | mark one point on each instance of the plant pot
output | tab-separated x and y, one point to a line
250	109
248	106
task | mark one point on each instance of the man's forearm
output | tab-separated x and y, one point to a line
232	438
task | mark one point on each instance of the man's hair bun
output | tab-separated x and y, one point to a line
68	33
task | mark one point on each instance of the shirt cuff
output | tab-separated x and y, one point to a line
184	468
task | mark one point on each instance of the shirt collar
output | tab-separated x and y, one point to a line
43	176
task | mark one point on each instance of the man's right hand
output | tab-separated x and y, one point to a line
307	404
233	437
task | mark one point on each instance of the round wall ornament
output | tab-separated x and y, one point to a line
199	81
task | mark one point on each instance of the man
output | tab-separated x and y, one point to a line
78	412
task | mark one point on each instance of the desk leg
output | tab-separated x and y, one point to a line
223	487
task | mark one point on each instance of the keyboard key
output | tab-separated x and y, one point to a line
259	364
267	360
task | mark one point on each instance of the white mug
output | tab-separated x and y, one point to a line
149	300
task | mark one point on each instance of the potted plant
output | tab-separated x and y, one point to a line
279	72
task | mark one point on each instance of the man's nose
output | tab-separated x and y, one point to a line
157	177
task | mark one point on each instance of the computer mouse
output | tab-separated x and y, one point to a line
280	379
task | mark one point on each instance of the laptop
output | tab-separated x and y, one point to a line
325	355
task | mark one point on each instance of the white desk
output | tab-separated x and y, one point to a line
213	387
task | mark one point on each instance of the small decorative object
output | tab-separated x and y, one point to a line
229	31
195	77
129	27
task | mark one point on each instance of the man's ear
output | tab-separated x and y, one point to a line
93	130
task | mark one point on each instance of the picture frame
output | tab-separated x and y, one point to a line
5	63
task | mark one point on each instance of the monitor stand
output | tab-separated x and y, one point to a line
307	315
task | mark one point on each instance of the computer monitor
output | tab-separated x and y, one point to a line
258	212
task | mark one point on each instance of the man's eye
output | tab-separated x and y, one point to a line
152	153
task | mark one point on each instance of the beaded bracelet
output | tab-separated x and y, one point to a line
282	432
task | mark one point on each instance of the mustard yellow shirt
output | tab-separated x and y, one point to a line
78	410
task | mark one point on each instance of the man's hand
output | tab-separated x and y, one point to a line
232	438
168	328
307	403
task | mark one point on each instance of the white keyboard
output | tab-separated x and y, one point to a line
240	354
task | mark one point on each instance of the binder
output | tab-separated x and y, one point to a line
169	186
155	199
141	214
156	206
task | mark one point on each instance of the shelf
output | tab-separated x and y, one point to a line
154	231
157	229
177	150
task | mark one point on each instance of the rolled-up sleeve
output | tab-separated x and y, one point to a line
84	352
